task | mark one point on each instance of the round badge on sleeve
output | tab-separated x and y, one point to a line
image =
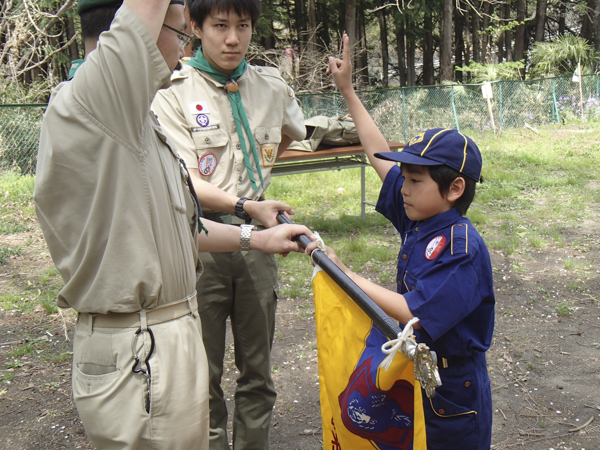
207	164
434	247
202	120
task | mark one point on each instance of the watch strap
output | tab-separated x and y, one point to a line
239	209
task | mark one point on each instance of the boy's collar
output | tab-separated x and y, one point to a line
438	221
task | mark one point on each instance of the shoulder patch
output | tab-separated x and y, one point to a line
435	246
459	239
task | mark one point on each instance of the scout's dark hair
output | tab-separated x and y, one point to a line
201	9
444	176
97	20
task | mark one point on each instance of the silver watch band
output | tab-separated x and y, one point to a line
246	230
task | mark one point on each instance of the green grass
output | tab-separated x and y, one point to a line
537	189
7	251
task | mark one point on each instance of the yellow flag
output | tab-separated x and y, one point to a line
362	405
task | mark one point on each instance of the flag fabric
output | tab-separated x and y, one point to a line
362	405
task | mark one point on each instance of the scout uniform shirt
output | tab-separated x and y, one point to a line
199	118
109	193
445	275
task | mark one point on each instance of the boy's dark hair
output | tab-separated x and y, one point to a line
444	176
200	9
97	20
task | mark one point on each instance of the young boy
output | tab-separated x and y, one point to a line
444	271
229	120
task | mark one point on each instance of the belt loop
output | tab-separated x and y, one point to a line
90	323
143	321
191	306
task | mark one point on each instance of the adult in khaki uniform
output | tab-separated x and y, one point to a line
121	226
229	120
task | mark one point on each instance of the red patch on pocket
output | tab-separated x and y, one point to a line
434	247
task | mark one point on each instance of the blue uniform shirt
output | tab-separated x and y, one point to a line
445	275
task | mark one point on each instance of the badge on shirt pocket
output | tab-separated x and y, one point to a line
268	155
207	164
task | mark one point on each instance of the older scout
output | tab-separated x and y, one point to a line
121	226
229	120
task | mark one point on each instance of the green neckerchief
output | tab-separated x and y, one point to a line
75	64
239	115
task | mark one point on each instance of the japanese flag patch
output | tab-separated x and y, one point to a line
198	107
207	164
434	247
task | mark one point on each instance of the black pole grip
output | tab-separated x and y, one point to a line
372	309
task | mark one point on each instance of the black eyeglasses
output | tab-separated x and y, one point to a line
184	38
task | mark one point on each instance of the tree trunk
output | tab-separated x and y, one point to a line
459	43
73	49
508	35
475	36
301	22
520	32
324	36
384	46
428	76
540	20
362	57
562	8
350	22
596	16
446	45
485	39
411	76
400	46
312	26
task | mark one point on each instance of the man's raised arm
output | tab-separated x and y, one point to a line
151	12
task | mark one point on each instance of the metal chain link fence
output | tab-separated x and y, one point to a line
399	112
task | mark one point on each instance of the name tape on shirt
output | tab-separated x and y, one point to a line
207	164
199	107
434	247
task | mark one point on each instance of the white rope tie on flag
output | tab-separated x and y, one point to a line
392	347
320	244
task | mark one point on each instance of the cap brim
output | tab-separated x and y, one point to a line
408	158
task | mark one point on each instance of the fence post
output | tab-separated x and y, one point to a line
501	112
454	111
554	101
403	113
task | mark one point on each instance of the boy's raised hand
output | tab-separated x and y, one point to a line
341	69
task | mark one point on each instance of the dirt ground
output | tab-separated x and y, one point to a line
543	363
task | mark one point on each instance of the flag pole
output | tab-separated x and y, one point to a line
372	309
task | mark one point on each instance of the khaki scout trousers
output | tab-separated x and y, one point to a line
242	286
111	399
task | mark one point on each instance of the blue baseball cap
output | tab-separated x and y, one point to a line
440	146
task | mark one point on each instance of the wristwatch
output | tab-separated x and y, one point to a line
245	236
239	209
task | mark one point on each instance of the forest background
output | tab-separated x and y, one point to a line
407	43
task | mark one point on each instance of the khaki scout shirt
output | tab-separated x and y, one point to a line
196	114
109	193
